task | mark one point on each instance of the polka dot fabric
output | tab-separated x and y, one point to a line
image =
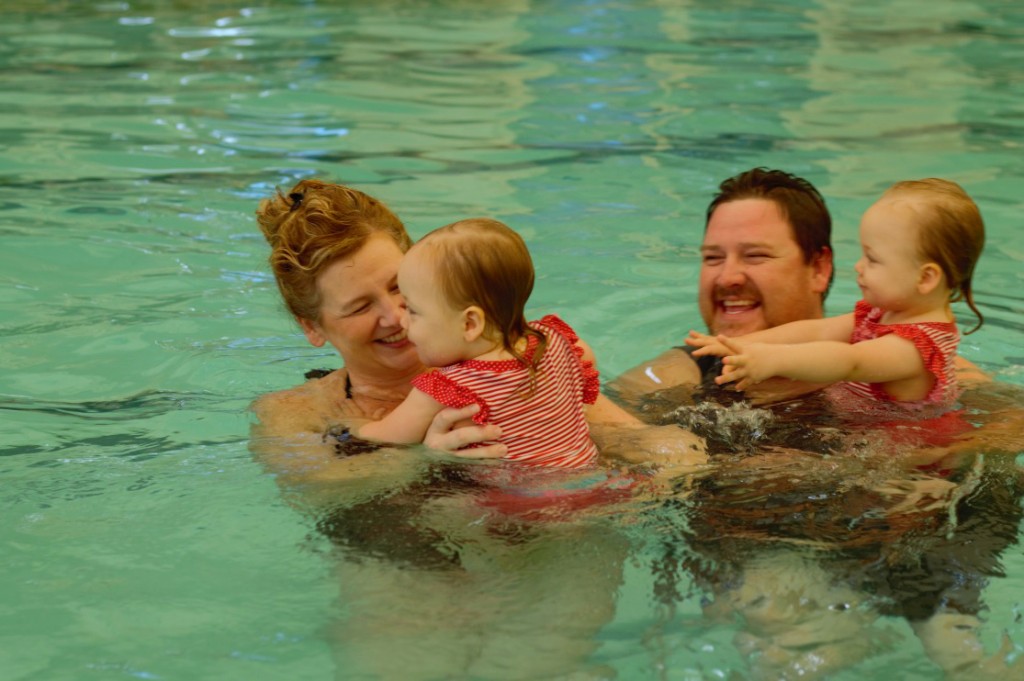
936	341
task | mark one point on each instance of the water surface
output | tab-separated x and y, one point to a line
138	318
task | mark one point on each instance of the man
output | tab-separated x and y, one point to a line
767	260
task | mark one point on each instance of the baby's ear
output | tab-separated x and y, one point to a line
930	277
474	323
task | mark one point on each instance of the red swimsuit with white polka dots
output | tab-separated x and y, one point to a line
936	341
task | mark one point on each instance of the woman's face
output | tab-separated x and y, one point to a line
361	313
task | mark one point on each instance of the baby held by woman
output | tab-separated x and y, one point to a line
465	287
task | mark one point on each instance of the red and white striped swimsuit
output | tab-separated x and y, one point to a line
936	341
547	428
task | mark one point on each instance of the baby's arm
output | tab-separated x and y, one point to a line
887	360
407	424
838	328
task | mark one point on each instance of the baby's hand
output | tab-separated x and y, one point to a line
745	364
706	345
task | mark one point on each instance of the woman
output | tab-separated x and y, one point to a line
335	255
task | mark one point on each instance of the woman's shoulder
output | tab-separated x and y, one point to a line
305	407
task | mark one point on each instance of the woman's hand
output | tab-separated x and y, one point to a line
446	435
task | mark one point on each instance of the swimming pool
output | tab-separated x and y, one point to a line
138	318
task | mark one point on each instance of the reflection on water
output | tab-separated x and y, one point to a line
809	560
138	320
803	550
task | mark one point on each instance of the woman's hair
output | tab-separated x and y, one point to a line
951	233
314	225
483	262
798	201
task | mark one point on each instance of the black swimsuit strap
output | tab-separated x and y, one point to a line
710	365
320	373
345	443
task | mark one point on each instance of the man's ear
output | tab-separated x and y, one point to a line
821	270
474	323
313	333
929	277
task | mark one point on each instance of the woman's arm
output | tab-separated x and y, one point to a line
290	438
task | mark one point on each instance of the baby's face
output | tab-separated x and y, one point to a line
433	325
889	269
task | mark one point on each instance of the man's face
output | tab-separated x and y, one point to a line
753	275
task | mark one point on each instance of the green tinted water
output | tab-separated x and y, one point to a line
138	318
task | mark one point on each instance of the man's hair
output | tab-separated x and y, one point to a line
799	202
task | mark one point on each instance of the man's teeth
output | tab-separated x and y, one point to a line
394	338
737	303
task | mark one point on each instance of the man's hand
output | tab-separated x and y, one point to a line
446	435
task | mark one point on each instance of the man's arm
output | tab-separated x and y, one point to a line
969	373
620	435
675	368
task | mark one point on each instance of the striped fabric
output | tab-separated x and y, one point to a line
547	427
936	341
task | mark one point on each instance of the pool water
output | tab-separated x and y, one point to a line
138	320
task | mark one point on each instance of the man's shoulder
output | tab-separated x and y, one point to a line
672	368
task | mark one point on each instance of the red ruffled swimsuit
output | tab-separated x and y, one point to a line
936	341
546	428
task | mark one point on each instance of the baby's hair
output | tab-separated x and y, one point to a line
483	262
952	233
